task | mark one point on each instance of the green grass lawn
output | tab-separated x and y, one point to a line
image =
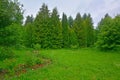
78	64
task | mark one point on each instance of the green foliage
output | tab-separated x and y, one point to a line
65	31
29	62
70	21
10	12
14	66
12	36
9	65
84	30
46	29
79	30
42	27
11	16
39	61
73	39
56	30
88	30
6	53
37	46
29	35
109	35
29	19
33	59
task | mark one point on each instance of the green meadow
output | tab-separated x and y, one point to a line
71	64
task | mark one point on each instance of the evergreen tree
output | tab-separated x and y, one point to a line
109	34
88	30
29	32
56	30
65	31
73	41
42	27
29	19
79	30
70	21
29	35
116	30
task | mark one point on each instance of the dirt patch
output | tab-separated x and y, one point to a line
2	74
23	68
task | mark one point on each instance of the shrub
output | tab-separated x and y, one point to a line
6	53
9	65
37	46
38	61
29	61
32	59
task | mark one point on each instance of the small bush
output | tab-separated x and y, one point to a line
32	59
9	64
29	61
38	61
6	53
37	46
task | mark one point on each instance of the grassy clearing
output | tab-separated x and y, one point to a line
82	64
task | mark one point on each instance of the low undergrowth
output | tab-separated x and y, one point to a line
22	62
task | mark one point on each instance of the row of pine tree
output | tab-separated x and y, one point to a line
48	30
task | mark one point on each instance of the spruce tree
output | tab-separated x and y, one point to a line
79	30
108	33
56	30
29	35
70	21
42	27
88	30
73	41
29	19
65	31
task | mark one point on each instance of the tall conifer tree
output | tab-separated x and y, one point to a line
56	30
65	31
42	24
79	30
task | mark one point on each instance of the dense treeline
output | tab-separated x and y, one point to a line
47	30
52	32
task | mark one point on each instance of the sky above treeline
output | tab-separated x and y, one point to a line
97	8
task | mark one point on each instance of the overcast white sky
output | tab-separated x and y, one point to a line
97	8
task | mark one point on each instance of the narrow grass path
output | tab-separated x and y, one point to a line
81	64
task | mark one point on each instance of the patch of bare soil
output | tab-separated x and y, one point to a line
22	68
